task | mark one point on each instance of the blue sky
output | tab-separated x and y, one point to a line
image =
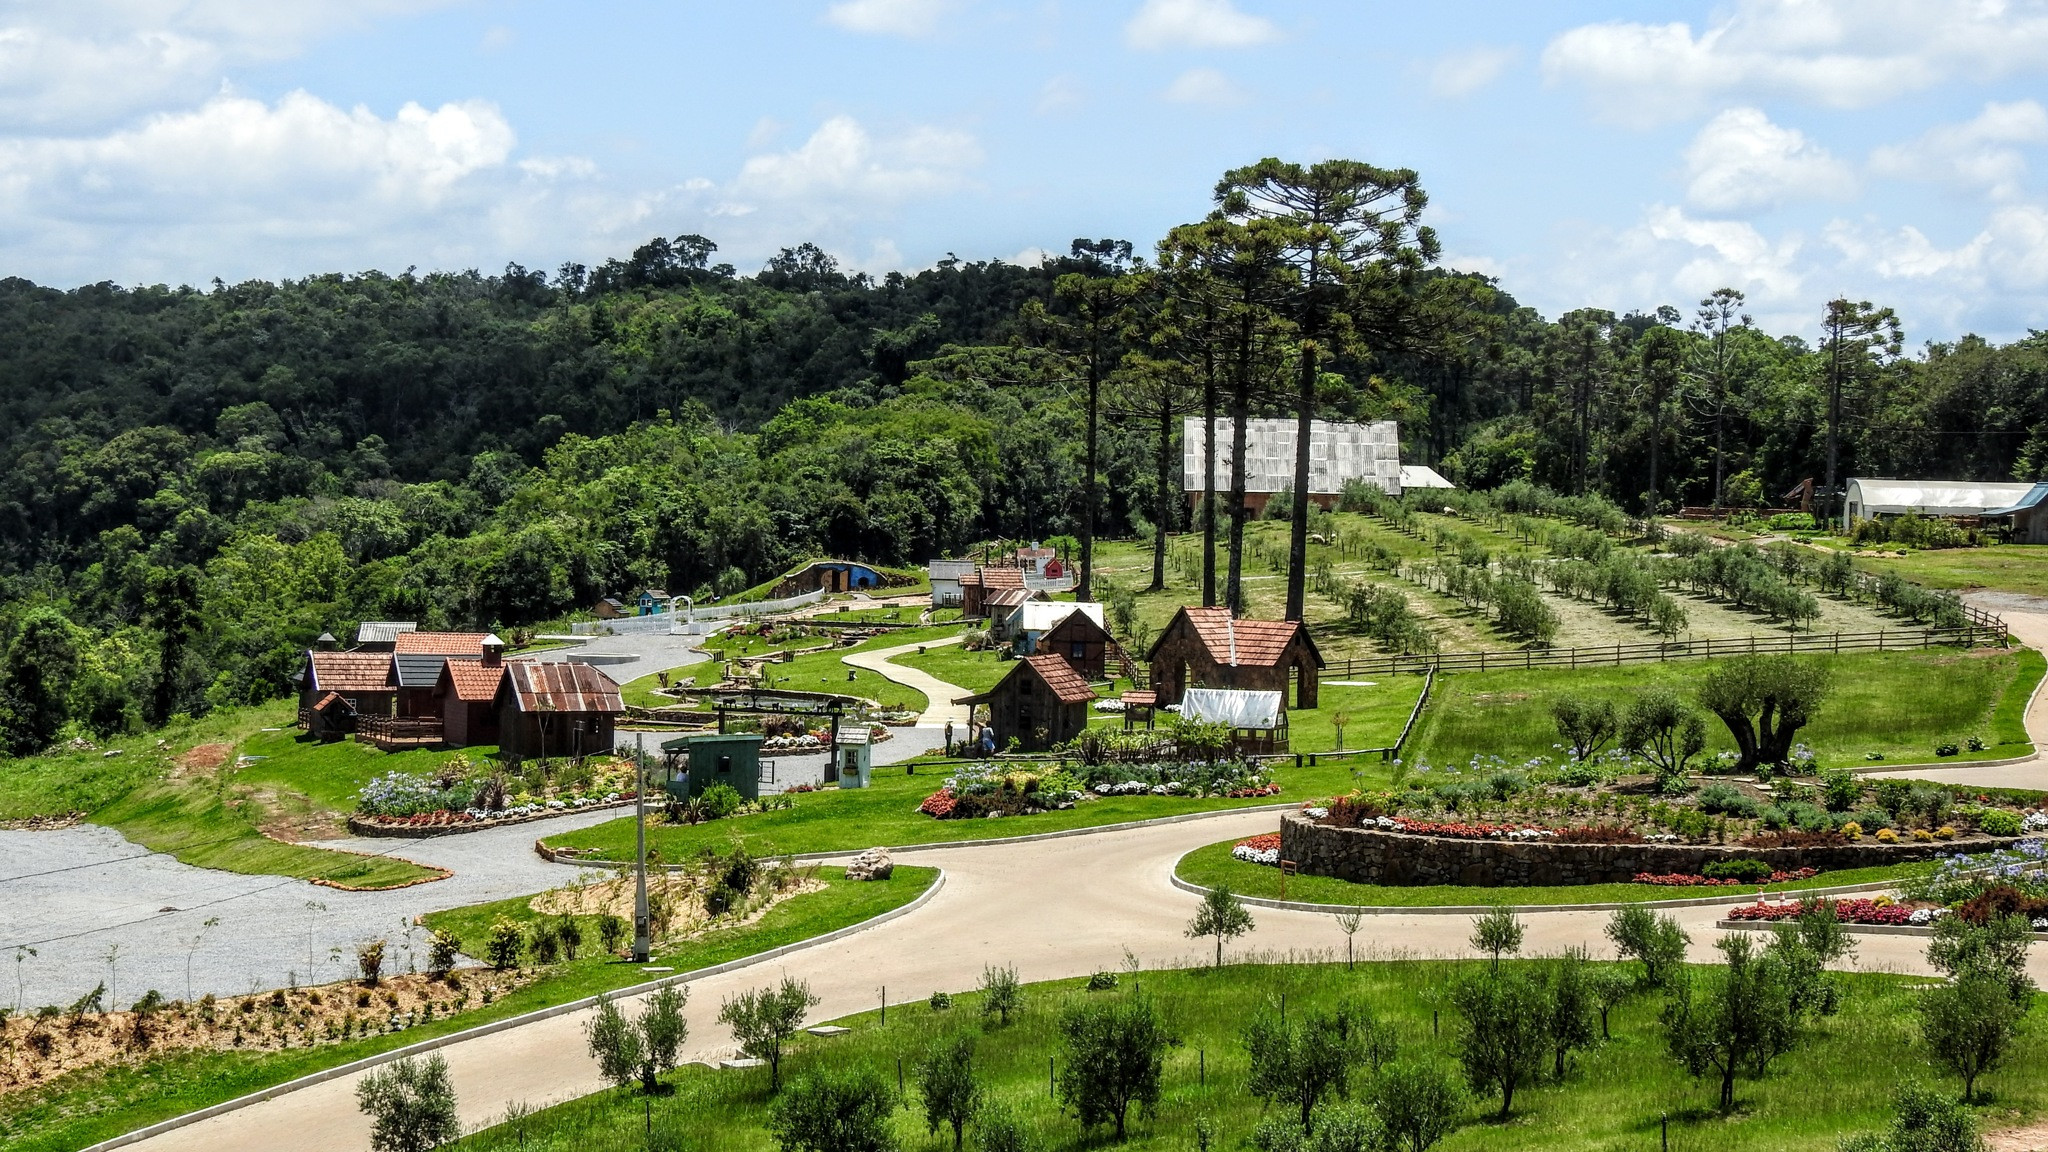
1616	155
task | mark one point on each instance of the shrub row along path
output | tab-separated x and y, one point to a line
2027	618
939	695
1056	909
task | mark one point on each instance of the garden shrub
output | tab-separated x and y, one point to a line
1997	822
1749	871
1726	799
1102	982
1841	788
720	801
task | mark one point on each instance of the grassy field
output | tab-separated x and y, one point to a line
1214	866
886	813
1899	704
974	671
2006	567
825	672
1839	1080
89	1107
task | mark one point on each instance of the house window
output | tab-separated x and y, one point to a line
1076	650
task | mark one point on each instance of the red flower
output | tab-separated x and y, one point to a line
939	805
1264	842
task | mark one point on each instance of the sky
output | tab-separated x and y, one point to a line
1613	155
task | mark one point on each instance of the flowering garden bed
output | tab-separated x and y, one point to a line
1693	880
1881	910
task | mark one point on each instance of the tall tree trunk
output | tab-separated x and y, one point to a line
1085	590
1297	535
1240	414
1208	478
1834	413
1162	509
1656	441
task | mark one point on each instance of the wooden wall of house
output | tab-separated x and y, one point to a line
1015	712
567	733
1082	645
467	723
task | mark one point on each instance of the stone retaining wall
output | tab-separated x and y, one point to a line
1372	856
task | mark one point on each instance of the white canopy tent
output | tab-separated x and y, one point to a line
1235	708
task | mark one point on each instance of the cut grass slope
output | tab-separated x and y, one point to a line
89	1107
1842	1078
1898	704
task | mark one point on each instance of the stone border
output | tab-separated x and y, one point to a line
321	1077
1478	909
552	857
361	827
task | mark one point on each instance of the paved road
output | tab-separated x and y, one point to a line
1111	890
651	653
939	695
72	893
2027	617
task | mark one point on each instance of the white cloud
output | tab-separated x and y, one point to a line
1204	86
1463	73
1061	94
1838	53
72	66
843	161
1741	161
1980	155
911	18
1032	257
1164	24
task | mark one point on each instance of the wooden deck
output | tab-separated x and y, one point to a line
399	733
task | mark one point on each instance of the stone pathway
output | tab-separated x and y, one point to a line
939	695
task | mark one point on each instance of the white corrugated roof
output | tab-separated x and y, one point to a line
1043	615
1336	453
1945	497
1228	706
1422	476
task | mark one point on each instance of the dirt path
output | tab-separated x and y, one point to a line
939	695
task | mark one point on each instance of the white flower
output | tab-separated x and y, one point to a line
1316	813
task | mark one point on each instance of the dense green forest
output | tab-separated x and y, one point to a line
195	483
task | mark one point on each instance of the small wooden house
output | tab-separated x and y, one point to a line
1208	648
337	687
556	708
416	661
1041	702
977	589
1077	637
468	696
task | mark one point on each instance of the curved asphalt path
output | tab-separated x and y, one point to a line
1113	893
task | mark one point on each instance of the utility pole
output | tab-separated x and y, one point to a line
642	945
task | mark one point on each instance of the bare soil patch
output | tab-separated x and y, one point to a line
202	759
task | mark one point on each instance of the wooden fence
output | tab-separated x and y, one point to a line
1973	635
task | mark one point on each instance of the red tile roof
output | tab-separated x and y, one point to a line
561	686
1140	698
473	683
349	671
328	701
442	643
996	578
1244	643
1060	676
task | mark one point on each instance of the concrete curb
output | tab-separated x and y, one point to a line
481	1030
1034	837
1478	909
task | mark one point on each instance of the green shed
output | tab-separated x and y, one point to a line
694	763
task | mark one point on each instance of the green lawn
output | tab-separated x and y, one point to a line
2006	567
1839	1080
1214	866
1900	704
210	831
953	663
90	1107
893	614
824	671
886	813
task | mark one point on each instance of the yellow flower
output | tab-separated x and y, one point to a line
1887	836
1945	832
1852	830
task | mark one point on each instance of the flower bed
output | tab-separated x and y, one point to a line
1261	849
1881	910
1694	880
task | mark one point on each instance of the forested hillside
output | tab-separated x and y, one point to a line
198	482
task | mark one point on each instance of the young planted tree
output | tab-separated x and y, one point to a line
1611	989
1571	998
1995	948
615	1042
1417	1104
848	1111
765	1019
1497	932
1925	1121
1001	995
1504	1036
1114	1052
1656	940
1301	1062
411	1105
1734	1018
1969	1024
1586	725
946	1084
1765	701
1354	248
1221	915
1660	728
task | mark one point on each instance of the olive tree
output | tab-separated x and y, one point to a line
1765	701
1496	932
765	1019
1114	1054
844	1112
1585	725
1735	1017
1303	1061
411	1105
1656	940
639	1050
1221	915
1001	994
1660	728
946	1084
1504	1038
1417	1105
